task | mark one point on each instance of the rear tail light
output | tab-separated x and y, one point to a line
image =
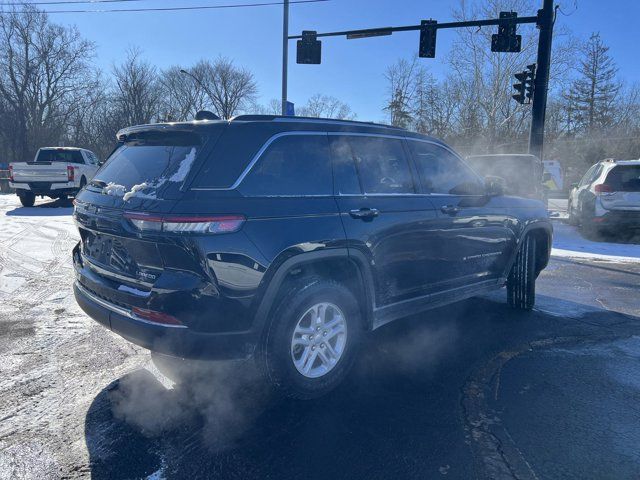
71	173
156	317
185	224
11	173
602	188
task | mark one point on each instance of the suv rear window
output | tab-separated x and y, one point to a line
147	163
64	156
624	178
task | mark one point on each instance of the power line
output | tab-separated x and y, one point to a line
170	9
69	2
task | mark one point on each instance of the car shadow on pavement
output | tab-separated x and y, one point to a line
47	209
399	414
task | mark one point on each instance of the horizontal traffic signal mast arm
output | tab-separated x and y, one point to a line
372	32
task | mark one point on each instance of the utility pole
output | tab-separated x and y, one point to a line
541	83
285	54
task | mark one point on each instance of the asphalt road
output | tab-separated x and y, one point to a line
468	391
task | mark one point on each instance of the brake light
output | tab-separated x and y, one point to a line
71	174
602	188
156	317
186	223
11	173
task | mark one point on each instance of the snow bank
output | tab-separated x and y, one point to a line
567	242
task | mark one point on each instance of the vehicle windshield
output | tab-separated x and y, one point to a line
59	156
146	163
624	178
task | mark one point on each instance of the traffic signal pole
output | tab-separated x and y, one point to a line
541	82
506	40
285	54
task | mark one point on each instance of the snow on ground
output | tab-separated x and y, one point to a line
568	242
54	359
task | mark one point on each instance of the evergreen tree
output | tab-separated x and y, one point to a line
593	95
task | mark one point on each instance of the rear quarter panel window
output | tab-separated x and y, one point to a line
295	165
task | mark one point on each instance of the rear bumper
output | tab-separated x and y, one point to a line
177	341
46	188
618	219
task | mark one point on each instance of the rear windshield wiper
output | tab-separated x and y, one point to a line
98	183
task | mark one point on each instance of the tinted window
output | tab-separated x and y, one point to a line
443	172
381	164
65	156
624	178
292	165
156	160
345	175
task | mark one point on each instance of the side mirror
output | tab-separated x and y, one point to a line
494	186
574	185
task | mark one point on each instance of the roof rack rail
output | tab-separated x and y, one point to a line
285	118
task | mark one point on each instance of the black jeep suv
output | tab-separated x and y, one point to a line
285	239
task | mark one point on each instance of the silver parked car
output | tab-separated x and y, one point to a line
608	197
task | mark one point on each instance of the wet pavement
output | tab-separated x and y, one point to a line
473	390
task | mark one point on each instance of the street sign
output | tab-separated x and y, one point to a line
372	32
291	109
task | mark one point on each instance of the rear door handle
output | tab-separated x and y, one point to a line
364	213
449	209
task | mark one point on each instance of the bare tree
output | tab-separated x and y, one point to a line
326	106
230	89
402	88
44	76
137	91
182	97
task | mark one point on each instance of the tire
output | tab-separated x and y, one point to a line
521	285
27	199
573	219
280	358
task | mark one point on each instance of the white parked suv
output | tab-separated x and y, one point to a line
55	172
607	197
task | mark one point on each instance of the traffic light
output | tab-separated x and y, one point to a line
520	87
531	76
428	30
506	39
524	89
309	49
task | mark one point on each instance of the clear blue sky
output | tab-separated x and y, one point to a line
351	70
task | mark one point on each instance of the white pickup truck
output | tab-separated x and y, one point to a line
55	172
